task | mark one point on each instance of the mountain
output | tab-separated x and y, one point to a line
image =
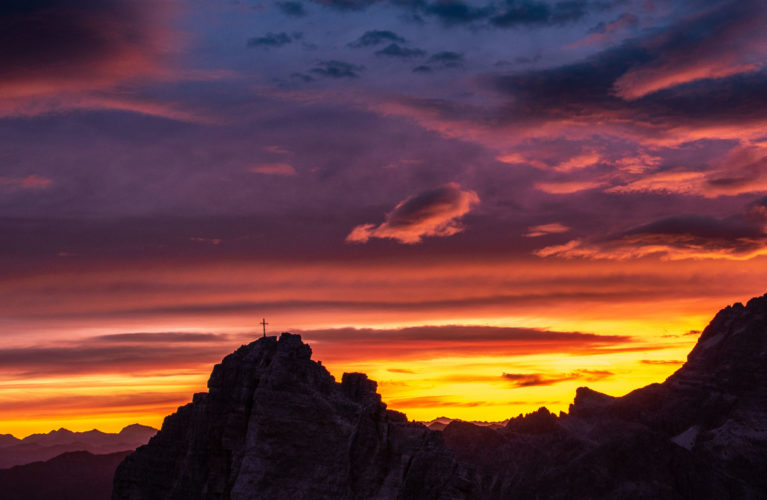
77	475
275	424
37	447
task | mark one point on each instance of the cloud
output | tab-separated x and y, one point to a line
433	402
294	9
151	352
395	50
376	37
425	342
77	405
717	43
742	170
545	229
567	187
337	69
578	162
284	169
346	4
739	237
531	13
540	379
604	33
270	40
442	60
452	12
29	182
504	14
662	361
431	213
579	99
664	182
55	46
117	353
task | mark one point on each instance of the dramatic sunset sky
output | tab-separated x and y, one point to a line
483	205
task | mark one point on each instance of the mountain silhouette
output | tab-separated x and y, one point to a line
38	447
76	475
275	424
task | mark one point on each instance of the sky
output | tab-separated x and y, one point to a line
482	205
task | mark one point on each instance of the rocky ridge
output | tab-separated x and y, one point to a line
275	424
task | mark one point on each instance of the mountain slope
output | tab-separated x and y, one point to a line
276	425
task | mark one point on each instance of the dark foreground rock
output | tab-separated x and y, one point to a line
77	475
276	425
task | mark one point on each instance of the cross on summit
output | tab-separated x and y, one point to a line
264	323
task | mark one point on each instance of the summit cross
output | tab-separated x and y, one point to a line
263	324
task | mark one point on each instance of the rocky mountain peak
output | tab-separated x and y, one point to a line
275	424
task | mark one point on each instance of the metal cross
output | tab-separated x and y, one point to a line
264	323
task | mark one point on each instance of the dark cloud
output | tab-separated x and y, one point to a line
111	356
177	351
337	69
346	4
161	337
446	59
376	37
503	14
699	228
77	44
396	50
538	379
739	236
517	13
432	213
434	401
270	40
591	92
622	22
473	303
425	342
74	404
295	9
452	12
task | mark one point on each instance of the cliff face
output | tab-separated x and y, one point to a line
276	425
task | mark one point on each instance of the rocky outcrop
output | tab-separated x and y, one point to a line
275	424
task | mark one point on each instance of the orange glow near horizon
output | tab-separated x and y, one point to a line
105	364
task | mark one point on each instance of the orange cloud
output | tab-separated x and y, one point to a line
567	187
544	229
637	83
578	162
431	213
678	182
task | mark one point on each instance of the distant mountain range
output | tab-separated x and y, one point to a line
39	447
275	424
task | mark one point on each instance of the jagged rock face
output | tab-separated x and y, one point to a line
276	425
